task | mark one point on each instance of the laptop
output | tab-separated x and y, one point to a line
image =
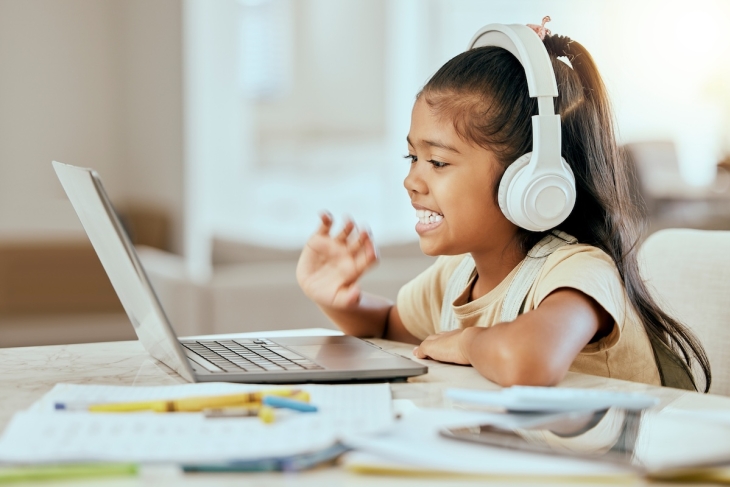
267	360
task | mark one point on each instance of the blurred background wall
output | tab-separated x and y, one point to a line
96	83
221	129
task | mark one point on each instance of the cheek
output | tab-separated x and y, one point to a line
472	212
482	212
478	200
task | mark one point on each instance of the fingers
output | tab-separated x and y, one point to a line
363	251
366	242
362	241
346	231
418	352
370	249
422	351
352	247
324	228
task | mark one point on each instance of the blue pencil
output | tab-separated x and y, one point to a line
285	402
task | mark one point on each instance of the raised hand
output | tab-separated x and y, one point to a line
330	266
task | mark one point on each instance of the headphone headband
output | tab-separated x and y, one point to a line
529	50
537	191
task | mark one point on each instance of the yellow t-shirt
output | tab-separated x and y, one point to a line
625	353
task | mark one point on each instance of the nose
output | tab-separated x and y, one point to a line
414	182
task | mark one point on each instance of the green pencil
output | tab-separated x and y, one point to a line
65	471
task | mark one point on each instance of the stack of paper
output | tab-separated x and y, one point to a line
44	435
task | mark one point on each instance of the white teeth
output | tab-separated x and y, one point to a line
428	216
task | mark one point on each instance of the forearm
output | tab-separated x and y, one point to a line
368	318
507	357
537	348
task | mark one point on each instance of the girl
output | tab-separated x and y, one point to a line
587	309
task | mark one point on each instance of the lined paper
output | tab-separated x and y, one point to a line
44	435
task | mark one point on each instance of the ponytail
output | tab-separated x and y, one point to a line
607	178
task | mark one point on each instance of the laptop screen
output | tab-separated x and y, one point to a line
117	255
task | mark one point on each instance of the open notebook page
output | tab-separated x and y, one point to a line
42	435
353	408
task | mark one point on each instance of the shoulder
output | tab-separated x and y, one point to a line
587	269
580	262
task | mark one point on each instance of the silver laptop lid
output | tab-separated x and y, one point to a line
117	255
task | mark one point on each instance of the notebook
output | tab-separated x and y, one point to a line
271	360
43	434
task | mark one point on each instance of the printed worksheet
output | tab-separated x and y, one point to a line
43	434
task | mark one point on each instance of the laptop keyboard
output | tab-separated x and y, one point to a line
249	355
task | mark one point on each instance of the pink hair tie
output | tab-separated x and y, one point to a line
541	30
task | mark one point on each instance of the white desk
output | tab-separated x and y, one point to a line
28	373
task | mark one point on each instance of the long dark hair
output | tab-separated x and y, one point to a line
484	92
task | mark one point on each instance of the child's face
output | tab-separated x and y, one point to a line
454	180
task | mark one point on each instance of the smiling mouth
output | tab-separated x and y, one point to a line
427	217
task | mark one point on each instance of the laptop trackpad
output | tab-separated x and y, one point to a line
345	355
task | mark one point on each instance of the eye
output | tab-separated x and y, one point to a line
437	164
411	157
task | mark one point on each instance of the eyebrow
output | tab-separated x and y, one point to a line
435	143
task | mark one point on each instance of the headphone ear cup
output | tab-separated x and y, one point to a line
536	203
504	184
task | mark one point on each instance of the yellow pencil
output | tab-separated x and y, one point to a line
267	414
196	404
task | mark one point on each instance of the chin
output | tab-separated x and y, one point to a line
429	252
425	248
431	249
434	249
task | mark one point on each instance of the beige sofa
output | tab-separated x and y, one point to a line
688	272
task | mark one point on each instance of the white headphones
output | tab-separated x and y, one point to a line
537	191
